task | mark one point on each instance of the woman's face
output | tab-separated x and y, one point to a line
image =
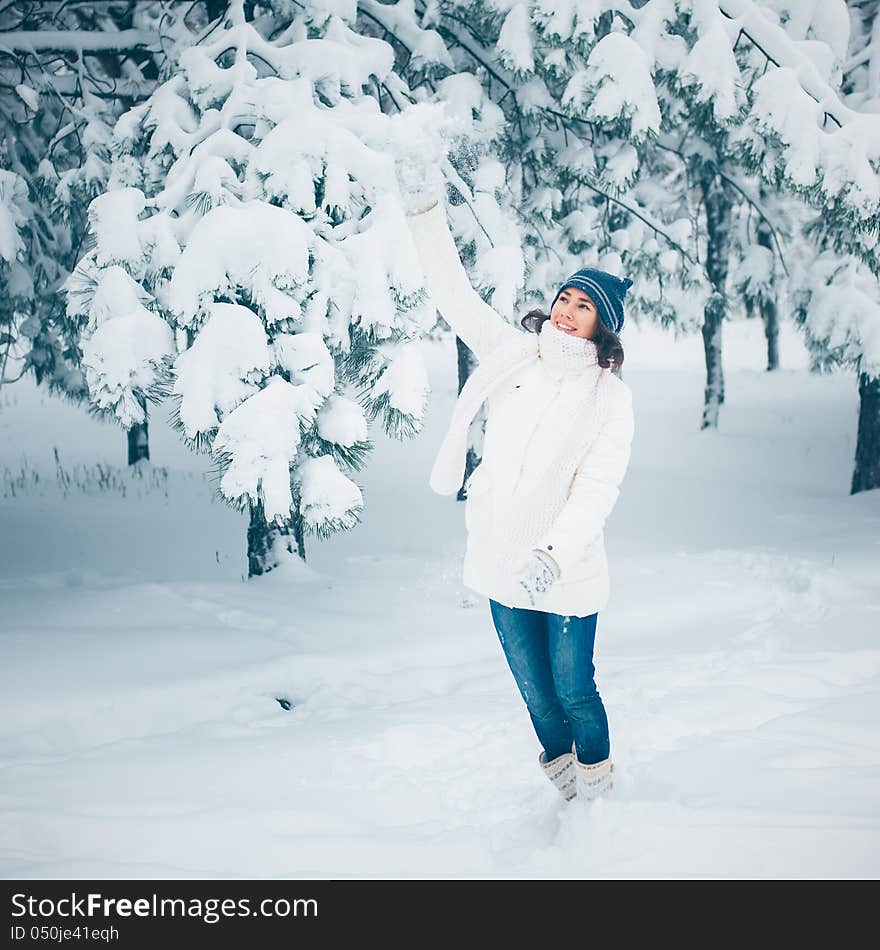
575	313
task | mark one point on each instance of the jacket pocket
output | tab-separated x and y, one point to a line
592	563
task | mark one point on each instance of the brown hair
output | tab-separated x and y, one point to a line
608	345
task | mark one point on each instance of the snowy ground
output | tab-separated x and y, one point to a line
739	658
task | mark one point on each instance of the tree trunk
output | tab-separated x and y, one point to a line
138	438
466	364
718	222
713	316
866	474
769	310
268	542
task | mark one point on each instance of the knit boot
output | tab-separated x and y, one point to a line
560	771
592	780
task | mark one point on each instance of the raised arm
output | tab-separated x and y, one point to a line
472	319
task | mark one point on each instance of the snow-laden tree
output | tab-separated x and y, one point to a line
804	134
861	71
567	181
767	236
67	71
734	88
16	289
483	212
609	151
626	131
571	170
839	300
815	132
252	261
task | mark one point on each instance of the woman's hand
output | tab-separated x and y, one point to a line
420	181
539	574
417	144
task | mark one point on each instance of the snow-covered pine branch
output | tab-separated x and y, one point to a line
253	199
861	71
16	286
838	302
77	41
67	70
571	171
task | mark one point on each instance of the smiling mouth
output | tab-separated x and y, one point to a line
566	326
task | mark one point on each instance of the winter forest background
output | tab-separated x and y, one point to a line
234	636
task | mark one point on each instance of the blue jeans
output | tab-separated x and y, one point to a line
551	658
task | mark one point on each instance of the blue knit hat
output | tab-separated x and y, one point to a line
605	290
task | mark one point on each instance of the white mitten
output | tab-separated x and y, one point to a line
418	146
538	575
421	185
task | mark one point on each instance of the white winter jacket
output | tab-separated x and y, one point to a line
537	485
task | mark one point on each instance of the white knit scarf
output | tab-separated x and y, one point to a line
561	351
565	352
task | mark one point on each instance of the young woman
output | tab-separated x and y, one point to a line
557	445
